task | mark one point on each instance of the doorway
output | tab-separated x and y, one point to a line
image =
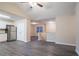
37	31
43	31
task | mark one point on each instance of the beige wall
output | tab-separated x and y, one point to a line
33	32
65	32
77	28
51	27
51	31
28	29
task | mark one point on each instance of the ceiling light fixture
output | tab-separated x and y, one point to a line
4	16
34	23
51	22
32	3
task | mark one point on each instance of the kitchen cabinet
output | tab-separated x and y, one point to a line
3	37
2	26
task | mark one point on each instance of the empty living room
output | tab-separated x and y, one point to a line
39	28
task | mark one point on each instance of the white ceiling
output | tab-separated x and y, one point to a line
49	11
12	16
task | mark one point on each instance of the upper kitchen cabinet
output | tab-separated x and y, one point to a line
3	23
2	26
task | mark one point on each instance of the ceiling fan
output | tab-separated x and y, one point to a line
40	5
34	3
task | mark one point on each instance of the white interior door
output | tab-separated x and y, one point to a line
21	31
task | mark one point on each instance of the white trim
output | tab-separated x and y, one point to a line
49	41
65	44
23	40
39	36
77	51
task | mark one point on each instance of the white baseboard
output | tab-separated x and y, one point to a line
49	41
77	51
65	44
23	40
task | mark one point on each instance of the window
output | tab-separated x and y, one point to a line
39	29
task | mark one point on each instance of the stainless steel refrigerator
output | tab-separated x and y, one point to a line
11	31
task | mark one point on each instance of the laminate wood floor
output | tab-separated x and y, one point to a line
35	48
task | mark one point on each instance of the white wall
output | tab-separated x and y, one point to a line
77	28
65	30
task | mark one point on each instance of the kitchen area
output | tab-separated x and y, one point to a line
8	31
13	27
3	35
